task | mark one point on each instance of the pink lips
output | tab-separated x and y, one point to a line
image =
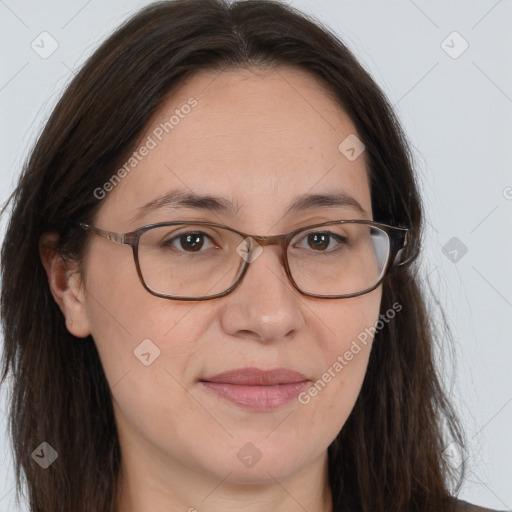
255	389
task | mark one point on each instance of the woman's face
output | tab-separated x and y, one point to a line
260	139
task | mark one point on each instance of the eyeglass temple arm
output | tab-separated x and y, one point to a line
406	245
109	235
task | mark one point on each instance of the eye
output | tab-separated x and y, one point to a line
191	241
320	240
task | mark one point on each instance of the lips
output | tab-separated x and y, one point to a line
255	389
256	377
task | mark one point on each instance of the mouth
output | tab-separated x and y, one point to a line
255	389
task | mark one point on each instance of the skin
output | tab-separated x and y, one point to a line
260	137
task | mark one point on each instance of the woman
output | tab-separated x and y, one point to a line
217	365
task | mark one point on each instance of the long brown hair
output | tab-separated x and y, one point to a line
388	455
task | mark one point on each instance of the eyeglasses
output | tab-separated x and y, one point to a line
204	260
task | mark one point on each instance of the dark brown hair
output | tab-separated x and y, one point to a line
388	456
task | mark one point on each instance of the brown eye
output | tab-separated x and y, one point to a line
322	241
189	242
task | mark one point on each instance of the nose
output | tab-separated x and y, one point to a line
264	306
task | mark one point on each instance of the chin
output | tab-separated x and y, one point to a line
263	461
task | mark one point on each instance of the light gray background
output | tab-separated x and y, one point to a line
457	113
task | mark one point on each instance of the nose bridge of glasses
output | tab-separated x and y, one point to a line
269	240
264	241
254	244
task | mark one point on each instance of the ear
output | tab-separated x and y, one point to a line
66	286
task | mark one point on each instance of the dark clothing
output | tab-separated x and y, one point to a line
464	506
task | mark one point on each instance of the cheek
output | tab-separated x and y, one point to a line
133	330
345	356
146	346
351	320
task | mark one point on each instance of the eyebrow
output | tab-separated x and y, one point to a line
180	198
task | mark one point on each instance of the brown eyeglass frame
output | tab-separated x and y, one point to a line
398	238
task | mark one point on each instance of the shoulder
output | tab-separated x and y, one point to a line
464	506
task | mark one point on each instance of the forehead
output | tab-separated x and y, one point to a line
260	138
